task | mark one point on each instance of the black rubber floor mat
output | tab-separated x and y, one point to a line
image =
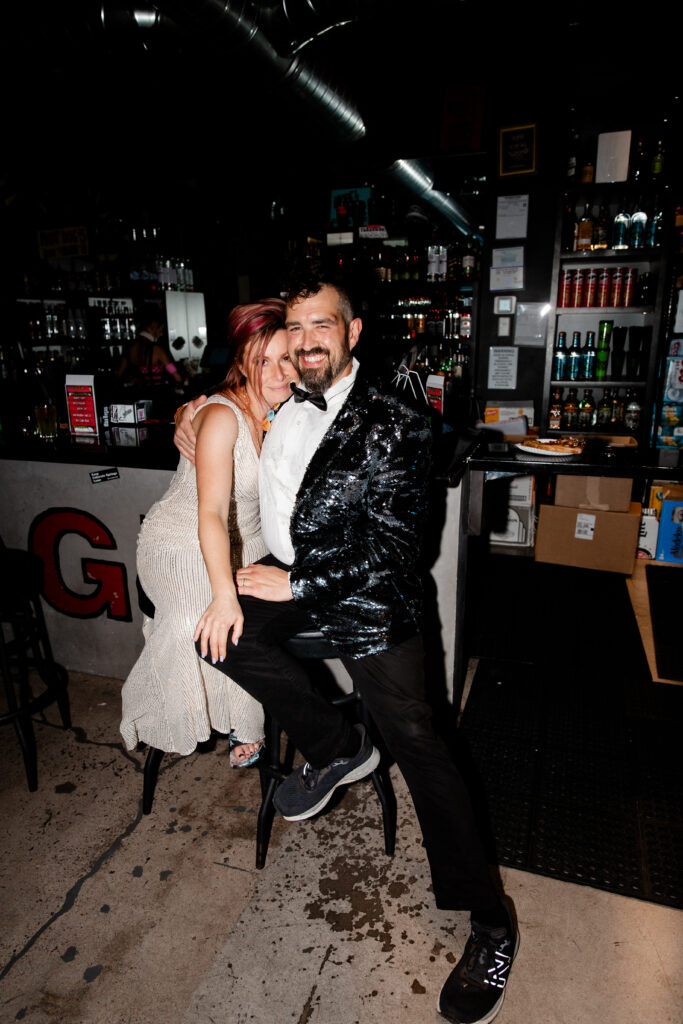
664	591
579	774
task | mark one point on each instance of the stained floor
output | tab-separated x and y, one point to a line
112	916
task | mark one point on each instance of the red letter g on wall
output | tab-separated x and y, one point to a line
111	590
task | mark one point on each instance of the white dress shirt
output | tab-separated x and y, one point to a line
294	435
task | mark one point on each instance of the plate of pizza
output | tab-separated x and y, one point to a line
555	447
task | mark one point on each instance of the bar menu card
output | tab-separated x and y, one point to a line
80	401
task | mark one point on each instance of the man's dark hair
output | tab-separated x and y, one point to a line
310	280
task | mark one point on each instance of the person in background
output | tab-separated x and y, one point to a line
146	360
343	483
191	542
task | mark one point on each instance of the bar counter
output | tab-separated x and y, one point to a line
79	504
149	446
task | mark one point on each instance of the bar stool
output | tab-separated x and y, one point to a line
273	769
27	647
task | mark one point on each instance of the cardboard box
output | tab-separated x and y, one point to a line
588	539
520	529
670	539
606	493
501	412
522	491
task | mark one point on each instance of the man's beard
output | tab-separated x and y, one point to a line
318	379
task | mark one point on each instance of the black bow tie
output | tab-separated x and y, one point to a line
308	396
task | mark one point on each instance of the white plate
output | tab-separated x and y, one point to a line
546	451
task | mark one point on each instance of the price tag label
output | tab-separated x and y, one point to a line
585	526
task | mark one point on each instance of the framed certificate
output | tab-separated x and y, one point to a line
517	150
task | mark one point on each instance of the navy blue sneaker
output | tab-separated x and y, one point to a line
307	790
474	990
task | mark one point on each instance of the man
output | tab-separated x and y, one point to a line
342	480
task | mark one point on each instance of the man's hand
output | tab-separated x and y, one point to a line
264	581
184	437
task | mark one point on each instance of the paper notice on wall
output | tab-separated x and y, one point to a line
507	269
511	216
503	367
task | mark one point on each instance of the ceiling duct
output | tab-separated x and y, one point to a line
227	23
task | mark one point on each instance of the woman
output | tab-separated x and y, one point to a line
192	541
145	359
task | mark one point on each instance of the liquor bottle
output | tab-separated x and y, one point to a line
559	367
632	410
603	413
586	410
584	230
469	261
432	262
653	232
572	148
555	410
600	230
568	243
639	162
638	226
570	410
589	357
587	165
657	165
574	357
617	409
603	350
620	227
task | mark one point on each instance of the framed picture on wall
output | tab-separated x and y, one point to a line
517	150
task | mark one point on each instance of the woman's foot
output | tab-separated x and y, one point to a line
244	754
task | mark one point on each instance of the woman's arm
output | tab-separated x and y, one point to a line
216	429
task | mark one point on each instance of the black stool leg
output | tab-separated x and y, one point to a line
53	675
271	775
19	712
151	774
387	798
22	723
384	789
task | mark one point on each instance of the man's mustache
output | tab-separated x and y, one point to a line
318	351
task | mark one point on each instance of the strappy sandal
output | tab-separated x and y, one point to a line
245	762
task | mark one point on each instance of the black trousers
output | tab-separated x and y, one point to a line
392	685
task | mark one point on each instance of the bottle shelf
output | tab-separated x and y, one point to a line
598	256
593	431
598	383
600	310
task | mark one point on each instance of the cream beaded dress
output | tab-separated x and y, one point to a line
172	698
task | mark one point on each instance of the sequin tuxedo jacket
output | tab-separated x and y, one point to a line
357	523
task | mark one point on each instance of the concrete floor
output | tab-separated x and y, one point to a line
109	916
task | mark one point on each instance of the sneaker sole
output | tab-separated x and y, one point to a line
493	1012
354	776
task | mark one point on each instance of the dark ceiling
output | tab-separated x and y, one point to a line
191	112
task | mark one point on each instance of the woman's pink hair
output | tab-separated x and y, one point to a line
250	329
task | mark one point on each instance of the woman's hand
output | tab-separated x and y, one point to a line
222	615
264	581
184	437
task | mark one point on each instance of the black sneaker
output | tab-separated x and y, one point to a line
474	990
307	790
